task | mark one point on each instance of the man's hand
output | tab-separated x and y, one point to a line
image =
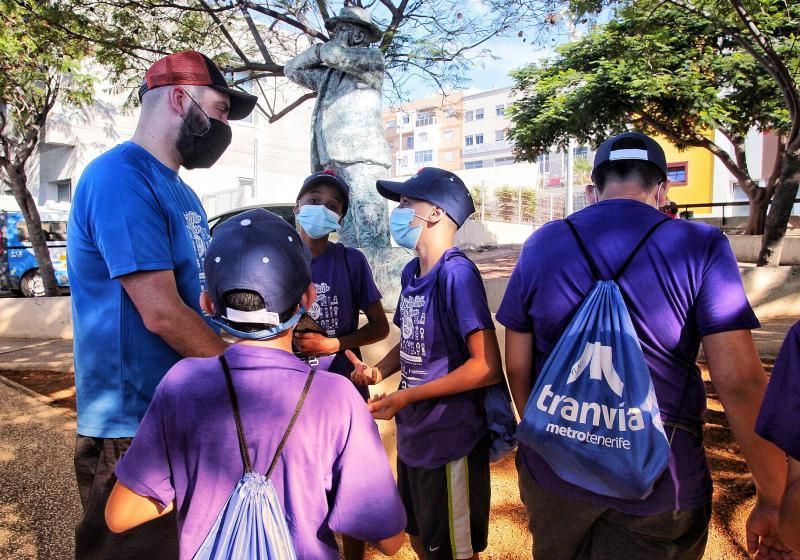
763	541
384	407
315	344
363	374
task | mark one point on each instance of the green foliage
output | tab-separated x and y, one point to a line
477	200
529	201
660	68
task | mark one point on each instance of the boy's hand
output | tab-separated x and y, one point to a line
384	407
363	374
315	344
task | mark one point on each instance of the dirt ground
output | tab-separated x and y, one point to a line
508	535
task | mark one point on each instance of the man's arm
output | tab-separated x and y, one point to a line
482	368
519	367
365	64
155	295
126	509
375	330
790	508
740	381
306	68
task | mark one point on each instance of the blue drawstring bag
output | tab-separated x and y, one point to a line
501	423
252	524
593	414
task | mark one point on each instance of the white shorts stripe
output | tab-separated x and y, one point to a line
458	498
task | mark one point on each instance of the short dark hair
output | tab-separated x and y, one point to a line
646	174
248	300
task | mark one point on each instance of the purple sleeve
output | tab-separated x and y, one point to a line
145	468
365	501
466	298
779	419
721	301
367	291
513	311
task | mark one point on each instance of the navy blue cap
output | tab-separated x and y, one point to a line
442	188
259	251
630	146
327	177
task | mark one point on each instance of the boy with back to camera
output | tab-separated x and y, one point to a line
447	353
341	276
186	453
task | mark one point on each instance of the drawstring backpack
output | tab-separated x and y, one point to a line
593	414
252	524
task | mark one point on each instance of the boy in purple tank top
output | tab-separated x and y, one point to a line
186	454
447	354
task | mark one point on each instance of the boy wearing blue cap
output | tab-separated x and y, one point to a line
447	353
342	278
185	454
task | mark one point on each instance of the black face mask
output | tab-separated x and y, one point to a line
201	139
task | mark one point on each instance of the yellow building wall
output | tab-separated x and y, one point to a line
699	175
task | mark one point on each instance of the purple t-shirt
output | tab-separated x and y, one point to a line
333	474
345	286
779	419
435	315
683	284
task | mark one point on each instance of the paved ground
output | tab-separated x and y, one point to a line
40	503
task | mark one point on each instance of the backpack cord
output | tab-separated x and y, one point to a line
593	266
240	430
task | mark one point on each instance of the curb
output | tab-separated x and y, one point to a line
24	390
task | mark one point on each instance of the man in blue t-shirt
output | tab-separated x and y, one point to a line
137	241
682	288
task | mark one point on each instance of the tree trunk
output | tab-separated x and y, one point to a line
19	184
759	202
780	210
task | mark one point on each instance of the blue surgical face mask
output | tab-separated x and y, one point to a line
317	220
401	230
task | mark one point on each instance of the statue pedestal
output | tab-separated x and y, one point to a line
387	264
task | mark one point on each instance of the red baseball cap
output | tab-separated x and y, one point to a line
190	68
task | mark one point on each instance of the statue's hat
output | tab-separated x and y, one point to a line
358	16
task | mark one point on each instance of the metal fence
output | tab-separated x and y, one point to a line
522	205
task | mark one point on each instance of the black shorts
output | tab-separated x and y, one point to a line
448	507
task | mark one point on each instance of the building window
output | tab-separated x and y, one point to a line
423	157
581	152
402	162
390	124
424	118
479	138
449	156
448	134
406	119
473	164
678	173
499	135
468	140
410	143
478	114
247	184
64	191
504	161
500	110
469	115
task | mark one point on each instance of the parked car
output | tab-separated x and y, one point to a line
19	270
284	210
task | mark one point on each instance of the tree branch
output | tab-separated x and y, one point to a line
289	108
262	47
288	21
